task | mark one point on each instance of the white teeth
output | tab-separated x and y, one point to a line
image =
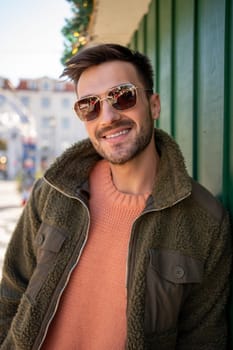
117	134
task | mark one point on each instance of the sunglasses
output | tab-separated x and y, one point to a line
120	97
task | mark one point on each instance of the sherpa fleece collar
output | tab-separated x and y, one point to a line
71	170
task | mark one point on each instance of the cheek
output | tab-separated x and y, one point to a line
142	116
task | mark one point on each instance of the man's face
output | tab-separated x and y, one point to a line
118	135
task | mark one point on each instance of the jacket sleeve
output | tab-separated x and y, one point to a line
19	263
203	319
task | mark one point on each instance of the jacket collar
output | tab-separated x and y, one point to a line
172	183
71	170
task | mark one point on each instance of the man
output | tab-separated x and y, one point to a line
117	248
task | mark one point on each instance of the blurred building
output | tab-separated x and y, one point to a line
37	123
17	131
51	102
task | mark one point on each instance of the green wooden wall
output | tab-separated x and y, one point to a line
190	44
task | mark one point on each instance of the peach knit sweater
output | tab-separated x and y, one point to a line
92	311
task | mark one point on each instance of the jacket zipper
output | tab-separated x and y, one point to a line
73	267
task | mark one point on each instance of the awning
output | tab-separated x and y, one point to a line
116	21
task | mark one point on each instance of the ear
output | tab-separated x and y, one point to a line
155	106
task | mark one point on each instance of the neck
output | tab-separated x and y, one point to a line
138	175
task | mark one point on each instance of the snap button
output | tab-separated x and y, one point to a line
179	272
40	239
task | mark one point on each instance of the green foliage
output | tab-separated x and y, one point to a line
75	29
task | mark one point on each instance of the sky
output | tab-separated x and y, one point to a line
31	42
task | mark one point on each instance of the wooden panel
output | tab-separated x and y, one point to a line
229	111
190	44
164	61
133	41
141	42
210	93
151	34
183	75
228	150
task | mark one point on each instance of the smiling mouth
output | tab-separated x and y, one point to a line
116	129
123	132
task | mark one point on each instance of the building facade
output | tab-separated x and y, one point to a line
51	102
17	133
37	123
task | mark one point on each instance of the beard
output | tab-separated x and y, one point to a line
122	153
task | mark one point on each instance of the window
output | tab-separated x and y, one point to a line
32	84
65	102
45	85
2	100
25	100
45	102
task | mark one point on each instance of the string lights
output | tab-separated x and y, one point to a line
75	29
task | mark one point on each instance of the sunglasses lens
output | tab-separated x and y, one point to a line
123	97
120	97
88	108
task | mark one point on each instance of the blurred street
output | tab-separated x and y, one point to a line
10	210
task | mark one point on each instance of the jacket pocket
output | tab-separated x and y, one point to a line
169	277
48	242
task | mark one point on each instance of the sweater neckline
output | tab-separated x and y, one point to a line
109	192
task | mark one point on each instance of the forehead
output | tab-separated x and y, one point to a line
98	79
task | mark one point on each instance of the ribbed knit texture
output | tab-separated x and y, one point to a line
92	311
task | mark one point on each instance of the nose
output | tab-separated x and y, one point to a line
108	114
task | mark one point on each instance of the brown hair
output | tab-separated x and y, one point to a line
102	53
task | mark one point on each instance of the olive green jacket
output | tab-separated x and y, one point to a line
178	260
